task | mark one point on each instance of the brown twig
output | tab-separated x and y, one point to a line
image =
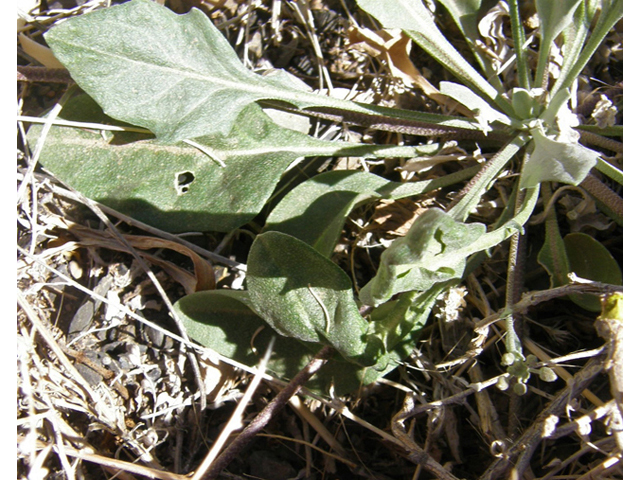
515	455
534	298
265	416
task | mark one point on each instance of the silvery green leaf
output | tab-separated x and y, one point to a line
224	321
554	17
484	113
556	161
177	75
433	252
304	295
178	187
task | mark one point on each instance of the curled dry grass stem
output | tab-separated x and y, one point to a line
66	442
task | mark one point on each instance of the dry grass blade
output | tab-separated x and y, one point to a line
204	278
235	421
119	398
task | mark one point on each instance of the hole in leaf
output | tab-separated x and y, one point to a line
182	182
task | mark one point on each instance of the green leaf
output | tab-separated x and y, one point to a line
397	322
557	162
223	321
176	74
589	259
315	211
304	295
484	113
524	103
178	187
609	16
518	37
552	255
465	14
417	22
555	16
574	37
433	252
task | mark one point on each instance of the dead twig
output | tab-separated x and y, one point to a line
515	455
263	418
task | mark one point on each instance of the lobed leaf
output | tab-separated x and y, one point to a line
432	253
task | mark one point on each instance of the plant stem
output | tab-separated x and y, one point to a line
515	280
43	74
468	198
263	418
609	201
608	20
601	141
518	41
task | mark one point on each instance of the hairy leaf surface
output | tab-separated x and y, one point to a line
179	187
433	252
176	74
223	321
304	295
315	211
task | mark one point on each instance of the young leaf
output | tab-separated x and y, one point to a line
556	161
433	252
417	22
304	295
397	322
610	14
315	211
484	113
176	74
